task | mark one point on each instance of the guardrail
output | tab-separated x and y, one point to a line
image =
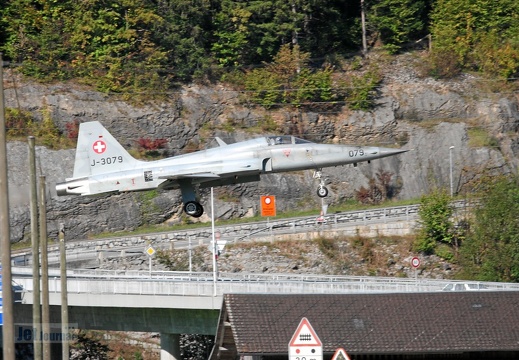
89	249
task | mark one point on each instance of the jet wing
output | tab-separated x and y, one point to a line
190	176
211	173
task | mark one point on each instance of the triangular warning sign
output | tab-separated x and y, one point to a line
340	354
305	335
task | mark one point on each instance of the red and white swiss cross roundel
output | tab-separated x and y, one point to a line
99	146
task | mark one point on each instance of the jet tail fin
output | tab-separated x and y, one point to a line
98	152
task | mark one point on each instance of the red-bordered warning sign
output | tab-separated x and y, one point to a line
305	343
268	205
415	261
340	354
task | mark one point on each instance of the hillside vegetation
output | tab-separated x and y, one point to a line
152	46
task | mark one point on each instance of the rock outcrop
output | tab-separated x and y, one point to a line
424	115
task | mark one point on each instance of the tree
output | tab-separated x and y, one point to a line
481	34
289	80
397	21
113	44
36	34
435	221
232	34
186	34
491	250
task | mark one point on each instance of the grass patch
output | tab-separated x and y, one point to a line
479	137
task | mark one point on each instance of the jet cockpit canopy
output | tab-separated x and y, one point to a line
285	140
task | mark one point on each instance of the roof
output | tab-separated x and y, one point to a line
401	323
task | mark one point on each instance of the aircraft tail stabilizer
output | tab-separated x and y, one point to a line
98	152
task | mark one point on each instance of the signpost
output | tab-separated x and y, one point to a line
415	262
305	344
150	251
268	208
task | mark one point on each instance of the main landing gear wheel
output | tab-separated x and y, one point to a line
322	191
194	209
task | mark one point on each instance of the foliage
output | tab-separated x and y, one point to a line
185	33
362	89
436	225
491	250
397	21
196	347
109	44
328	247
89	346
17	122
440	64
150	147
178	260
148	207
482	35
46	131
494	57
378	190
72	129
479	137
289	80
150	46
22	124
232	34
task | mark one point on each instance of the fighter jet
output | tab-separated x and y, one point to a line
102	165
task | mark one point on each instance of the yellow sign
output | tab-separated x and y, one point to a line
268	206
150	250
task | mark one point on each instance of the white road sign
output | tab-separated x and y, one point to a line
305	344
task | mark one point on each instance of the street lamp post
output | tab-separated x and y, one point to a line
450	163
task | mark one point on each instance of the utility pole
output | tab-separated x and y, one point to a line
64	299
363	23
5	236
45	308
36	310
450	170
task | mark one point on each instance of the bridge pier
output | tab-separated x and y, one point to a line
169	346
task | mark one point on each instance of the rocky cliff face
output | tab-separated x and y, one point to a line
424	115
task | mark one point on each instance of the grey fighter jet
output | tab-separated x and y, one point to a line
102	165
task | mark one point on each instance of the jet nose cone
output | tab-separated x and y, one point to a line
389	152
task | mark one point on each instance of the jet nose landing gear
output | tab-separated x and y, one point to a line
194	209
322	191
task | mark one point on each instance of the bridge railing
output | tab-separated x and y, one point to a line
202	284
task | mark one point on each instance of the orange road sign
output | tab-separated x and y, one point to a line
268	205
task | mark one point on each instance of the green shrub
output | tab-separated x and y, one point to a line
362	90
